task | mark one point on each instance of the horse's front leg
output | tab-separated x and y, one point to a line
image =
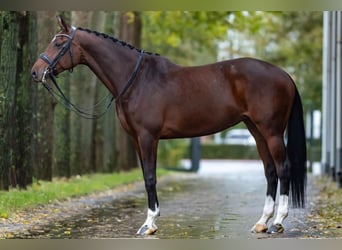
147	148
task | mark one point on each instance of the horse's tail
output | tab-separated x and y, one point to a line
296	152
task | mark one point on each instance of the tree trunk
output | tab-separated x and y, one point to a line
130	27
83	91
62	142
130	31
8	67
25	98
104	129
45	105
98	126
17	98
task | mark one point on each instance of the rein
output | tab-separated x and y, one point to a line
60	97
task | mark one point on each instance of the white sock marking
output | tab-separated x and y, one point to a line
268	211
283	209
151	218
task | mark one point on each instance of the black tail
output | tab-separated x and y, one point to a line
296	152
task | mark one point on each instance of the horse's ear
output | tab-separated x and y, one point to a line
63	24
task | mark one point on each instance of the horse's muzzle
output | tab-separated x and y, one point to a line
39	75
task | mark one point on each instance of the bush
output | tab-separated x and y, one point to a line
170	152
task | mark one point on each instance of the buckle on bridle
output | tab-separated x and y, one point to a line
44	74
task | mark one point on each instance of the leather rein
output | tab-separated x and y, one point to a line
57	93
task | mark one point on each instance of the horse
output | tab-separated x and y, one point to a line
157	99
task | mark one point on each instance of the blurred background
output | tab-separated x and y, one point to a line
40	140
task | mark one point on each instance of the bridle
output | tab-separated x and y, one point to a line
66	47
60	96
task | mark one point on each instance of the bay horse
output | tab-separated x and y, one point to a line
157	99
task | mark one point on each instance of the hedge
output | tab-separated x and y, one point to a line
212	151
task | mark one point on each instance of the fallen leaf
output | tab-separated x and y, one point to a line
4	215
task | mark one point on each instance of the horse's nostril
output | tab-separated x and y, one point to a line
34	74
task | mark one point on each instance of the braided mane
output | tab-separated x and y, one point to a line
115	40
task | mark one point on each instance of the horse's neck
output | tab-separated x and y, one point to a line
112	63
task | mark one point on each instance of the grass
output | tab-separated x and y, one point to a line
42	192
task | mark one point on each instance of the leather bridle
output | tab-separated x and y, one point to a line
88	113
53	63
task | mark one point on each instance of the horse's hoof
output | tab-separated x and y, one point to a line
259	228
145	230
275	228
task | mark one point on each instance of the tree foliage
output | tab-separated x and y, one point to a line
291	40
301	52
184	36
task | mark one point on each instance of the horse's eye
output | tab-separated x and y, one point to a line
58	45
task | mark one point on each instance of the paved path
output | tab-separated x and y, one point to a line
223	200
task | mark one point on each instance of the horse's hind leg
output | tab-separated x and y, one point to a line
271	177
278	152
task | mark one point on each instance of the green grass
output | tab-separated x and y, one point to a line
42	192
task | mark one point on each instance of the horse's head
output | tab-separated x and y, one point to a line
61	54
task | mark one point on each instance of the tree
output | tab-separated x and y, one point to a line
82	93
62	132
87	141
9	39
301	52
291	40
186	37
129	31
45	105
104	129
25	98
17	95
